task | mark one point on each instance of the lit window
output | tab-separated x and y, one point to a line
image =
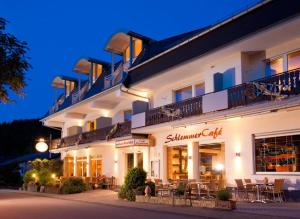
294	60
184	93
278	154
127	115
69	87
275	66
200	89
97	72
137	47
91	126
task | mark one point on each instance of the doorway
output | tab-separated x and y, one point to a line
130	161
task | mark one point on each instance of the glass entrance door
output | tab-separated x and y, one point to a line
130	161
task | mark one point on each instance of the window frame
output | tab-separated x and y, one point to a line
193	86
271	135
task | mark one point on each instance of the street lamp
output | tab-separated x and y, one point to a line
41	146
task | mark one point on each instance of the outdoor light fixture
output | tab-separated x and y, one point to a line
53	175
33	175
238	154
219	167
41	146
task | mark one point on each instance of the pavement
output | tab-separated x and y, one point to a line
105	204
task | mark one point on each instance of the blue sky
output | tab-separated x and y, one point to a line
60	32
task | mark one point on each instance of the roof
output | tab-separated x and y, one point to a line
59	81
184	47
156	47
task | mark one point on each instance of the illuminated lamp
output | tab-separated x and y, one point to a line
41	146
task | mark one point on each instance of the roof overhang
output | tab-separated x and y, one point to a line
118	43
59	81
83	65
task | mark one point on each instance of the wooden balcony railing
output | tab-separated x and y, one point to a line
273	87
106	133
174	111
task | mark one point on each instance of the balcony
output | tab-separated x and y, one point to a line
103	83
106	133
275	87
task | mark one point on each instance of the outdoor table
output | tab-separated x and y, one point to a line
259	187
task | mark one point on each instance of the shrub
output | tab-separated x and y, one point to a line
223	195
28	176
134	180
180	190
73	185
44	177
130	195
135	177
122	192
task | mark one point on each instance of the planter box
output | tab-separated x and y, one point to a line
52	189
32	188
205	203
228	205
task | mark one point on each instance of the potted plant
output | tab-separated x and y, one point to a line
224	201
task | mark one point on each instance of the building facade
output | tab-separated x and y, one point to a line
221	102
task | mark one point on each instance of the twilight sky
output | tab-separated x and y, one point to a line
59	32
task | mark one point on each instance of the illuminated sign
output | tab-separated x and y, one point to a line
133	142
204	133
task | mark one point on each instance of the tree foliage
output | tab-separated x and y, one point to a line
13	64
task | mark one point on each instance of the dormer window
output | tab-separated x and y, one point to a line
137	47
127	54
69	87
97	71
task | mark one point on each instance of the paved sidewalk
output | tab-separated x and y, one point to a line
244	210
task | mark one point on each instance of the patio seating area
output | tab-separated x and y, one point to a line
262	191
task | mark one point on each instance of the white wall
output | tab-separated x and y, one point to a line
237	136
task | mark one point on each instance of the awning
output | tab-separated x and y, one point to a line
59	81
83	65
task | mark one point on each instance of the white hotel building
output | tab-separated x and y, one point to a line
218	102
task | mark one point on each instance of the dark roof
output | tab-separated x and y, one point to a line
258	19
156	47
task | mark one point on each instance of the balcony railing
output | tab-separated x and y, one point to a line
275	87
174	111
106	133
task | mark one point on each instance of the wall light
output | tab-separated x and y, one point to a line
238	154
219	167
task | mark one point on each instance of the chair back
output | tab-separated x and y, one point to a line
87	179
239	183
278	185
157	181
247	181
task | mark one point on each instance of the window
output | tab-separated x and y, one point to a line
275	66
91	126
294	60
139	157
96	167
184	93
127	115
199	89
177	161
69	87
81	166
278	154
68	166
137	47
96	72
130	161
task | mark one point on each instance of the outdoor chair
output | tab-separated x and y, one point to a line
162	190
212	189
240	190
276	190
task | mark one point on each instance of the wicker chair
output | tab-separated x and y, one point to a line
240	189
277	190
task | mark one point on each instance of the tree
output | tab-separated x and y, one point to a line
13	64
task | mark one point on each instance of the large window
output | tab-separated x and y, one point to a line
69	87
177	162
96	72
137	47
139	157
96	166
127	115
130	161
183	93
68	166
278	154
294	60
275	66
81	166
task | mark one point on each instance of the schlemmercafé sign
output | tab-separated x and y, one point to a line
203	133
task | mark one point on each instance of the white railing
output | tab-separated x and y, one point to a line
114	78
